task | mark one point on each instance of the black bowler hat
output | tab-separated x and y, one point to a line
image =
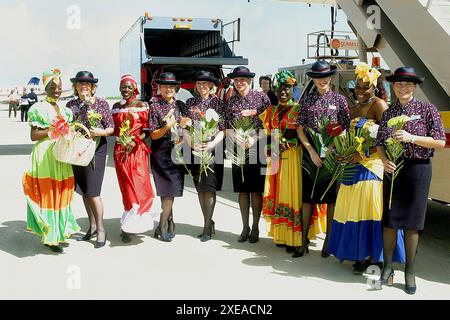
203	75
84	76
321	69
167	78
407	74
241	72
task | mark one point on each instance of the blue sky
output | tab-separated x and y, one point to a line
35	36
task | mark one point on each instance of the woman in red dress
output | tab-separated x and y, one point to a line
131	159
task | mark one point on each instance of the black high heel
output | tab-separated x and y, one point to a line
164	236
389	280
171	232
99	244
213	229
410	289
56	249
125	237
244	236
87	236
253	238
300	253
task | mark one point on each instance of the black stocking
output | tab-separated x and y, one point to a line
92	223
411	243
166	206
207	203
257	203
96	206
389	242
244	205
330	216
307	211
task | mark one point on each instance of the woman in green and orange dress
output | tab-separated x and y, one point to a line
49	184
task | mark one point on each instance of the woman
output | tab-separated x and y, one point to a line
282	203
165	116
206	184
356	232
422	134
131	159
48	184
315	106
24	105
94	113
249	183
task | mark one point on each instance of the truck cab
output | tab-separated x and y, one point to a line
183	46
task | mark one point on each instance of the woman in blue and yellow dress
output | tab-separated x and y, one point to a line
356	233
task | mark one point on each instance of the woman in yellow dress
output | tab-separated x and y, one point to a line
282	202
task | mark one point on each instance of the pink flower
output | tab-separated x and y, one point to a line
59	127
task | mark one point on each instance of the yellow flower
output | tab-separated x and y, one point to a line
360	141
362	69
398	122
124	127
390	141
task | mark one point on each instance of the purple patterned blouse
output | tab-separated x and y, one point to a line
210	103
80	111
254	100
425	121
314	106
158	110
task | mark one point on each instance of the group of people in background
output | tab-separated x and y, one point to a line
363	225
23	103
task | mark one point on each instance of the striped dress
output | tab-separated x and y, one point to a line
48	184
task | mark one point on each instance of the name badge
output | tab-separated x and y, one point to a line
332	107
416	117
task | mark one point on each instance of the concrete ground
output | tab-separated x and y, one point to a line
148	268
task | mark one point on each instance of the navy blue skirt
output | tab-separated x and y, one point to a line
168	176
409	196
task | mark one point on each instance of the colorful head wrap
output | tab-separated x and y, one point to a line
51	75
284	77
129	77
367	74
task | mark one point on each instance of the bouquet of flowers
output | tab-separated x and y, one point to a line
94	119
202	132
395	149
320	142
176	137
243	128
360	138
125	137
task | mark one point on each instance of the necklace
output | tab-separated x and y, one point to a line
369	101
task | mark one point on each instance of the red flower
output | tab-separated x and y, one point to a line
200	113
59	127
334	129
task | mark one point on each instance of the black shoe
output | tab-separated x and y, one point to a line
64	244
410	283
87	236
164	236
213	229
359	268
290	249
99	244
244	235
56	249
388	278
205	238
324	253
125	237
253	238
301	252
171	231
